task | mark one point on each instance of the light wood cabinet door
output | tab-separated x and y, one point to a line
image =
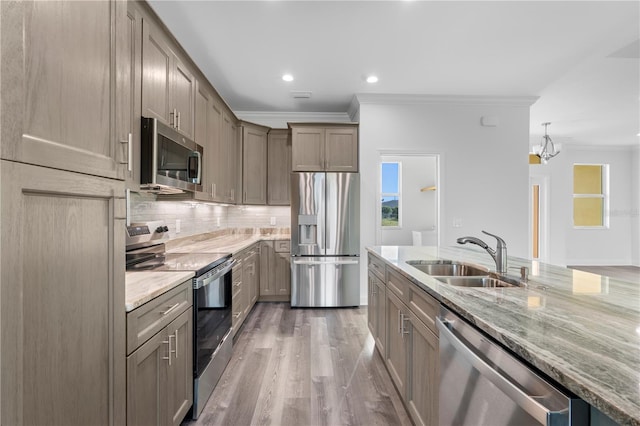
422	380
57	103
396	357
227	158
254	165
147	382
341	149
183	97
157	73
283	274
279	168
267	272
253	278
308	147
62	295
129	90
376	311
180	370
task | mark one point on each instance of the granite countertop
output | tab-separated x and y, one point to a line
142	286
229	243
581	329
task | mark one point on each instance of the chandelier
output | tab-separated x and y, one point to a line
546	150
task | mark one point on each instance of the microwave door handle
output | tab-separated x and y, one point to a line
199	174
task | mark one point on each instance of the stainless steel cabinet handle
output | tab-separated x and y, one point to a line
168	357
178	126
174	118
404	330
176	337
130	151
399	322
170	309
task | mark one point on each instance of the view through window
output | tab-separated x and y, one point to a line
390	194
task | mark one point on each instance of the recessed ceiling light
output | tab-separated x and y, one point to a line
287	77
372	79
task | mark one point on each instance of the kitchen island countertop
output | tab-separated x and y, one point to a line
580	329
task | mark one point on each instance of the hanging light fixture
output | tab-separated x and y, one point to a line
546	150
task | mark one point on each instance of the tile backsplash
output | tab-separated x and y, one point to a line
197	217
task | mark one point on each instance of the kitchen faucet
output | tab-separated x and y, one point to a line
499	255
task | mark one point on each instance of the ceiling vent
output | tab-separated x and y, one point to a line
297	94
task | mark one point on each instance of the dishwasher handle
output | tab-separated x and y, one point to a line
526	402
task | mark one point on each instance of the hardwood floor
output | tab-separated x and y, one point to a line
304	367
625	273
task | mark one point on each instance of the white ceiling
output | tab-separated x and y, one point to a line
560	51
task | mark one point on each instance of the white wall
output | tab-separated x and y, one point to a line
635	206
612	246
484	173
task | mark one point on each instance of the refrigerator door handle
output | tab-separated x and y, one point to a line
325	262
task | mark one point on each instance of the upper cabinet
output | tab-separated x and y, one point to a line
59	88
168	85
254	164
278	167
324	147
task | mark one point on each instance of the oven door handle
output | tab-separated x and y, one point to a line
210	277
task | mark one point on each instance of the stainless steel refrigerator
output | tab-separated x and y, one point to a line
325	239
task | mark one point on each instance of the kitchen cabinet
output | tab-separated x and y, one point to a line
168	84
324	147
402	320
129	90
279	167
62	343
229	160
275	271
160	370
203	128
59	90
245	284
377	311
254	164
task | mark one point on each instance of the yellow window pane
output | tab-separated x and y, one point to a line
587	179
534	159
587	211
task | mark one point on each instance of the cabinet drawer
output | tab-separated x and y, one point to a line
423	306
376	266
283	246
398	284
153	316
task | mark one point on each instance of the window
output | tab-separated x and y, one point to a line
590	195
390	194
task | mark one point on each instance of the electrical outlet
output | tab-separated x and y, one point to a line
273	220
177	226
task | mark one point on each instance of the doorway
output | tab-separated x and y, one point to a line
408	201
538	214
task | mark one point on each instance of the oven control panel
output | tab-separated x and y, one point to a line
145	233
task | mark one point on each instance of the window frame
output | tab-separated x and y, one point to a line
604	168
390	194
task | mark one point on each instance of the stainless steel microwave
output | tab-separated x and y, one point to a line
170	162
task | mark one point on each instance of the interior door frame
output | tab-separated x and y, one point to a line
543	215
409	153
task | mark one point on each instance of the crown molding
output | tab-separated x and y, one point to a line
354	108
411	99
279	119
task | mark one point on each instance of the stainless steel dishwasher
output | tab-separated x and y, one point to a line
482	384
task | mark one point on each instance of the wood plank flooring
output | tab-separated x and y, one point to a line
625	273
304	367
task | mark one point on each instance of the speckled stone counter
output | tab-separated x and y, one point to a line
581	329
143	286
231	242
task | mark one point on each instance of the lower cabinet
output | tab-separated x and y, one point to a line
245	284
402	322
275	271
377	311
160	370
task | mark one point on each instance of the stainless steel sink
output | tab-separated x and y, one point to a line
447	268
486	281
